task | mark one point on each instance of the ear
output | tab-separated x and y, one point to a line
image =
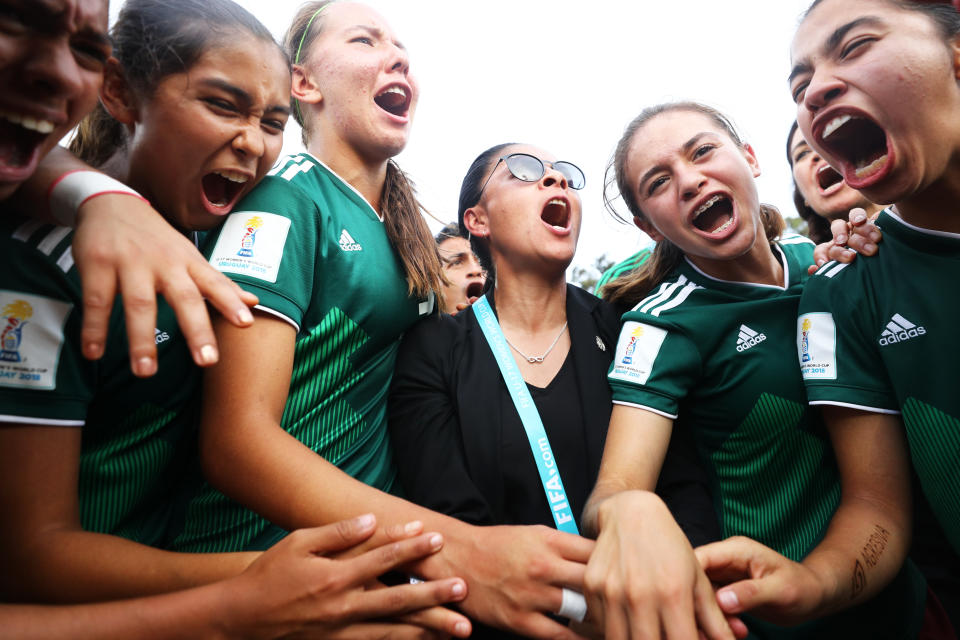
303	86
751	158
116	95
647	228
476	222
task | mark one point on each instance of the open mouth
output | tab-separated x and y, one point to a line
556	214
395	100
859	142
21	138
474	289
828	177
222	189
715	215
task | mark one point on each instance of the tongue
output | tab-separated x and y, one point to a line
215	189
714	217
390	101
17	144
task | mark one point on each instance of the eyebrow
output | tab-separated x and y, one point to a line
50	14
376	32
689	144
800	143
833	42
240	95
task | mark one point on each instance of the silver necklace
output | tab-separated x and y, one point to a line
539	359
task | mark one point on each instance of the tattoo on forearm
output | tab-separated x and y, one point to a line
871	552
875	546
859	580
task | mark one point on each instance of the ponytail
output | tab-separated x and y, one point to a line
409	234
98	137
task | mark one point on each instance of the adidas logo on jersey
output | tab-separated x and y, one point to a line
748	338
347	243
160	336
899	329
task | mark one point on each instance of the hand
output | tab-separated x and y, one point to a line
123	245
294	588
859	235
761	581
643	580
515	574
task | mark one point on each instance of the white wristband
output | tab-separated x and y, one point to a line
72	189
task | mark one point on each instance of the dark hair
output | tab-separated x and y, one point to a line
153	39
632	287
450	230
470	195
943	13
406	229
818	227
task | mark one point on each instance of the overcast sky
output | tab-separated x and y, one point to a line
568	75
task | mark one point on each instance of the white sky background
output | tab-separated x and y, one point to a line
569	75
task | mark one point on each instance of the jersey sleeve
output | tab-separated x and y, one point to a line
44	378
653	367
839	359
268	245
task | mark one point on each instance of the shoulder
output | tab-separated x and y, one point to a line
605	315
624	267
37	256
797	245
675	298
435	335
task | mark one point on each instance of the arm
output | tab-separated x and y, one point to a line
643	576
123	246
513	574
46	553
863	549
292	588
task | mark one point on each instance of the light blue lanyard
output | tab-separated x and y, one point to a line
529	416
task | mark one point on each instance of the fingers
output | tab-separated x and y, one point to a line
440	618
392	555
375	631
194	320
99	291
333	537
710	617
224	294
571	547
140	312
864	235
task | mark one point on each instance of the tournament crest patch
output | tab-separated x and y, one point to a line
251	244
817	346
31	339
637	349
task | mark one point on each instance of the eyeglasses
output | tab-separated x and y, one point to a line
530	168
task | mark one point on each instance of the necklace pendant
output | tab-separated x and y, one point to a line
535	359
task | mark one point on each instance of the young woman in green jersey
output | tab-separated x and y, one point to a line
876	86
83	512
334	246
709	348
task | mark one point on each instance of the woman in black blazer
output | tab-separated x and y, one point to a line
460	445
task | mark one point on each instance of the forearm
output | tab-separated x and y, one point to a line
78	566
863	550
199	612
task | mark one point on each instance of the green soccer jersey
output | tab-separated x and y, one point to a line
880	335
622	268
716	357
138	434
317	256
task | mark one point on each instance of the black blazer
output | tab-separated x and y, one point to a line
447	387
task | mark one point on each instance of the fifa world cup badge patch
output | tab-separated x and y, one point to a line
817	346
637	350
31	339
251	244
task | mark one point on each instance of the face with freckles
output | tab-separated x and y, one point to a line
877	95
821	186
52	54
528	225
228	112
355	83
695	187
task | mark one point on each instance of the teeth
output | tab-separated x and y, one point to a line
835	124
706	205
870	168
232	176
395	89
723	227
32	124
823	168
559	202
